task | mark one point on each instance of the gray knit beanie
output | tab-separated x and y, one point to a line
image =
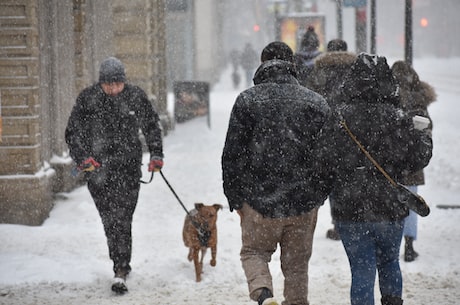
112	70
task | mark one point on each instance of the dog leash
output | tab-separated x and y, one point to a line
147	182
203	233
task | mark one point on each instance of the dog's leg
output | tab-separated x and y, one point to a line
190	254
203	253
198	264
213	256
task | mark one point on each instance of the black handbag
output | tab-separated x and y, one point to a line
405	196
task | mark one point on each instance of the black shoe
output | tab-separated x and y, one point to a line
119	286
332	234
264	295
119	281
391	300
409	253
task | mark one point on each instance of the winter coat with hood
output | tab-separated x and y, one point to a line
370	109
328	72
416	96
269	159
107	128
306	55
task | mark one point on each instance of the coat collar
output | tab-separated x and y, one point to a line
275	71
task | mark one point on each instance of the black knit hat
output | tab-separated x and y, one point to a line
112	70
336	45
277	50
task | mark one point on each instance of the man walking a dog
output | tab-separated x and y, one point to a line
274	175
103	138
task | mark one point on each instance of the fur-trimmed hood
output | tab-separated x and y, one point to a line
328	72
414	92
334	59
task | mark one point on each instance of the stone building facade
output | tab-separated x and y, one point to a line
49	51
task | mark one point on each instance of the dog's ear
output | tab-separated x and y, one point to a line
217	206
198	206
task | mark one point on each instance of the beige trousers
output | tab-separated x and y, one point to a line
260	237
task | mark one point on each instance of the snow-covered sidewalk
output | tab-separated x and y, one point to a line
65	261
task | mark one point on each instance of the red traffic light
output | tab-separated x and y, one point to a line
424	22
256	28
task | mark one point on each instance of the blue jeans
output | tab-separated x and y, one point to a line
410	223
370	247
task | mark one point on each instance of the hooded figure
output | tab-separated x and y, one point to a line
416	96
366	209
305	56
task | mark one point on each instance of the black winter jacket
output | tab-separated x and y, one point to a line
269	159
361	193
107	128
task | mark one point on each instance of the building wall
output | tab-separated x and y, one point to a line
194	40
49	51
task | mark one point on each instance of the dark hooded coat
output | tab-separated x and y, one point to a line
269	160
416	96
370	109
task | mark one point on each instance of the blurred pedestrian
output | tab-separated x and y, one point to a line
273	174
305	56
328	72
416	96
249	61
366	209
103	137
235	62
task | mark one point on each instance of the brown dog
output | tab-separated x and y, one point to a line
200	233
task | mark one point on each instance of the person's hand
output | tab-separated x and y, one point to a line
155	164
89	165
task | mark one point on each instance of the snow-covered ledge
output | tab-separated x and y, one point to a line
26	199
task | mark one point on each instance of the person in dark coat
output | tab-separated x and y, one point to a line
249	62
366	210
103	138
416	96
273	175
327	76
306	55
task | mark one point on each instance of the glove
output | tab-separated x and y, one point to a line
155	164
89	165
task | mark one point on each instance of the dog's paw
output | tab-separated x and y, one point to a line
213	262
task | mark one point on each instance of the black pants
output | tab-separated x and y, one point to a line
115	194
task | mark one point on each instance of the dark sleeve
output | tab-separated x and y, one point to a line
328	154
77	134
235	156
151	127
417	149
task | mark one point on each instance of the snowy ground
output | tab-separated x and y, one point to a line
65	261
